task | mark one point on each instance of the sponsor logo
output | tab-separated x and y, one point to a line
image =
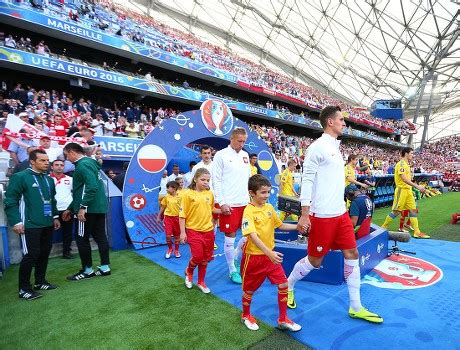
319	248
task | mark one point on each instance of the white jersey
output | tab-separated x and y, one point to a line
323	178
163	182
63	191
230	176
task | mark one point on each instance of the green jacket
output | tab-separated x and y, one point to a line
27	184
88	188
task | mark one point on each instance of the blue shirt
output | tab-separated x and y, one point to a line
21	152
361	207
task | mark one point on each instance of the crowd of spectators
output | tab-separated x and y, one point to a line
117	20
61	114
434	157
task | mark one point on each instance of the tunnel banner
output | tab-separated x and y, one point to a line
142	181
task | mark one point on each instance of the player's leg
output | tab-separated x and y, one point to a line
345	241
168	234
399	199
176	234
196	255
239	250
253	273
207	242
402	219
229	224
319	241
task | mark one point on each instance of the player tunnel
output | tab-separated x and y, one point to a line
212	125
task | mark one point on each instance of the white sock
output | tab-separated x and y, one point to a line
229	250
352	275
239	247
300	270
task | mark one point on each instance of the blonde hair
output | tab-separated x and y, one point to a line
199	172
238	131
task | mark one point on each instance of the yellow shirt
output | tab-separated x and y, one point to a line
349	172
287	183
172	204
253	170
263	221
196	209
402	168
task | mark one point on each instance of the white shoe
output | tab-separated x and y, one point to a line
204	288
188	281
168	254
402	230
289	325
250	323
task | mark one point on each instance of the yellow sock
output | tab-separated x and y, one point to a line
388	221
414	224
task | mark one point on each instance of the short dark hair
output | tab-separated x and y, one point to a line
73	146
204	148
57	160
252	155
257	181
192	163
326	113
173	184
406	150
33	154
175	165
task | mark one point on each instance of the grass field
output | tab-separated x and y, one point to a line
144	306
434	216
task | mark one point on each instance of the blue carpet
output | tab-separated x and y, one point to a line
423	318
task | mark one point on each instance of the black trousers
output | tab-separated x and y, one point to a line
93	226
36	247
67	234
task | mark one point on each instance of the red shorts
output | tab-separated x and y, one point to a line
231	223
330	234
201	245
256	268
172	226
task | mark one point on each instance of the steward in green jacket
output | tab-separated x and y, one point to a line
88	188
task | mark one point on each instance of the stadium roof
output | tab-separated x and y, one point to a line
359	51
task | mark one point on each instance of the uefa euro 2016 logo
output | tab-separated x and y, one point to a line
217	117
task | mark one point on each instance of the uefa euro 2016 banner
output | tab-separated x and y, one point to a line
53	23
90	73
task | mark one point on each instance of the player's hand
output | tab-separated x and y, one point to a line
276	257
303	226
365	186
183	238
81	215
226	209
158	219
421	189
57	224
66	215
18	229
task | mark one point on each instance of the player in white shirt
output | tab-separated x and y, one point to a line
206	162
324	213
230	176
189	176
164	180
63	185
175	173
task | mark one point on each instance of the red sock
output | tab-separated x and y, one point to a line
191	267
169	242
176	243
408	221
202	272
282	302
247	298
401	222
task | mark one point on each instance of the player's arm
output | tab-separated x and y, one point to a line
356	182
310	168
288	227
182	217
160	213
410	183
217	175
275	257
